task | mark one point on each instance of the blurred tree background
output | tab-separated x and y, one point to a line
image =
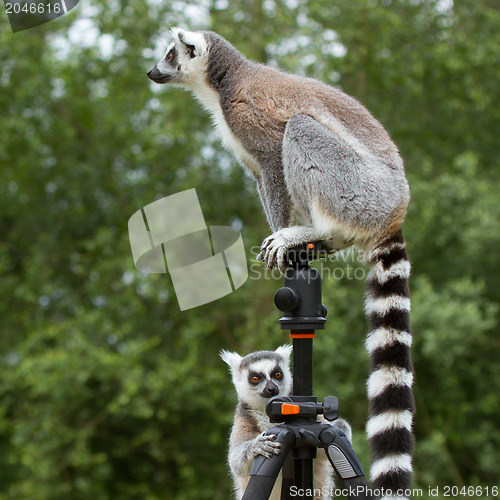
107	390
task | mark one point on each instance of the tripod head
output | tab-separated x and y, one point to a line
301	255
300	298
300	301
283	409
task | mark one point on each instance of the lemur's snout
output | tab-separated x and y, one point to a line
153	72
270	390
156	75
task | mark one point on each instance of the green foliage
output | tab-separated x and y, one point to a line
107	390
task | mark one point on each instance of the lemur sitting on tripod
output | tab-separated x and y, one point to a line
258	377
314	150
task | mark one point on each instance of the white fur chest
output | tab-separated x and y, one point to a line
262	420
209	98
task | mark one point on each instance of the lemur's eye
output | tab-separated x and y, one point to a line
170	56
254	379
278	374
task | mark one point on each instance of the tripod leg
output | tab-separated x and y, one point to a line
343	458
287	478
264	470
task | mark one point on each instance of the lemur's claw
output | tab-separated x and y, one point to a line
273	252
266	445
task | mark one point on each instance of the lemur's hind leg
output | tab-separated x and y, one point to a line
319	172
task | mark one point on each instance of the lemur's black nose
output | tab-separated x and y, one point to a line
270	390
156	75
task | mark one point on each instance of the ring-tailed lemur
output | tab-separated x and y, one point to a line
258	377
315	150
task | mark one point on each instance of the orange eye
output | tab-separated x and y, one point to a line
278	375
255	379
170	56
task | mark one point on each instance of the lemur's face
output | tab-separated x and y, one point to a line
184	61
260	375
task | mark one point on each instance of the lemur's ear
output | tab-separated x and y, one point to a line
194	42
233	359
284	351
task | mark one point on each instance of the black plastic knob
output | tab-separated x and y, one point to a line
287	299
331	408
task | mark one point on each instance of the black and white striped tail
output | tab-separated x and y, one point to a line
389	426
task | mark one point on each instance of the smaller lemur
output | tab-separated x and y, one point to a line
258	377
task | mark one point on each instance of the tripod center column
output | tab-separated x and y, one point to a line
302	363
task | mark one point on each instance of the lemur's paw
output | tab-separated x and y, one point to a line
273	251
266	445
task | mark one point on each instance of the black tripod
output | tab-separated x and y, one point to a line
302	434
